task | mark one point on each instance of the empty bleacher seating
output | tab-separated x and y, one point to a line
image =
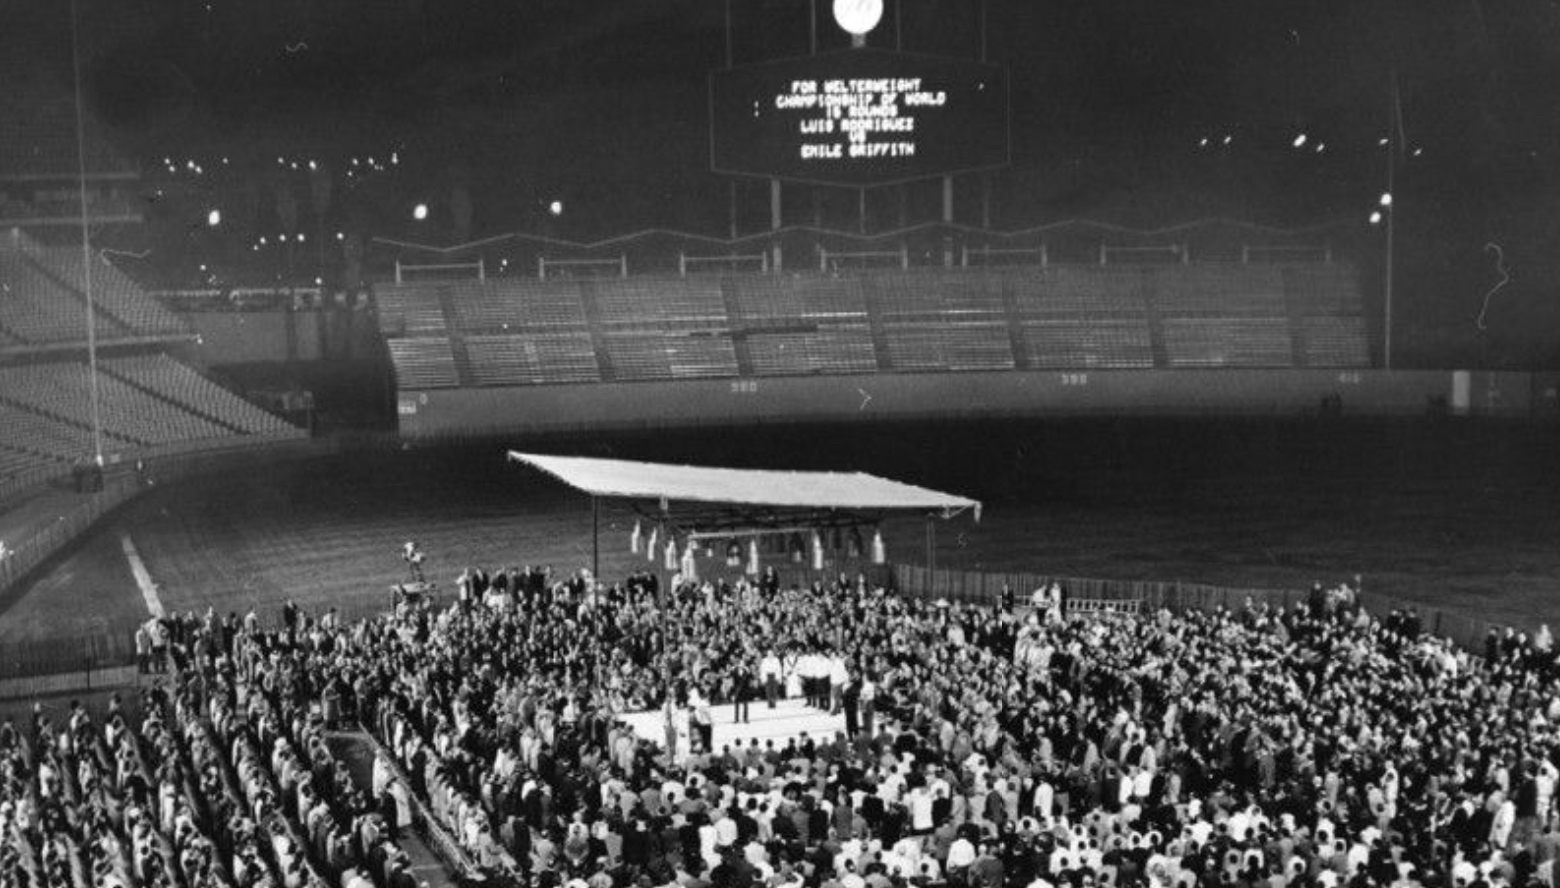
1087	291
143	403
114	293
678	303
43	298
949	346
826	350
35	309
823	300
46	436
1089	343
173	381
1323	290
1222	291
15	462
423	362
659	355
938	296
531	359
410	309
64	390
927	320
1228	342
1335	342
503	305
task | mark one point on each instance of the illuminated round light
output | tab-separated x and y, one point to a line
1375	217
1386	199
420	212
1300	141
858	16
556	208
300	237
214	218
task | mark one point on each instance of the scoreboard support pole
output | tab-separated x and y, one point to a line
947	198
774	218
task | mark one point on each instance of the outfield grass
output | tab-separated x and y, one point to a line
1464	519
88	591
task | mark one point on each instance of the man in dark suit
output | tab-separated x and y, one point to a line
851	700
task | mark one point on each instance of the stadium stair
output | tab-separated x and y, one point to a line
1014	318
596	324
1156	328
876	311
1298	345
738	324
457	336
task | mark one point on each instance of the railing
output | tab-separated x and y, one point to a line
1169	255
1024	255
755	262
589	267
438	270
1280	254
837	260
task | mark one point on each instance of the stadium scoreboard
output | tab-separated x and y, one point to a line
859	117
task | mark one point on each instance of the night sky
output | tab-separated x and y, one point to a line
1121	112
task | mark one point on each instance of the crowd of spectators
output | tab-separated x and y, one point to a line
989	746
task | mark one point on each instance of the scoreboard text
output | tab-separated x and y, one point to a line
861	117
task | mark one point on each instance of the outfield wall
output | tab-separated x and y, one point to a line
442	413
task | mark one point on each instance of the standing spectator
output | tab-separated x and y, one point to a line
769	673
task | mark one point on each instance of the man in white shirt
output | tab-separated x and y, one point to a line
839	676
920	811
769	672
960	855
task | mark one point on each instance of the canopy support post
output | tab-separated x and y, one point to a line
931	544
595	544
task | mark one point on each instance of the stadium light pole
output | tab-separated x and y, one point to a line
86	242
1394	145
